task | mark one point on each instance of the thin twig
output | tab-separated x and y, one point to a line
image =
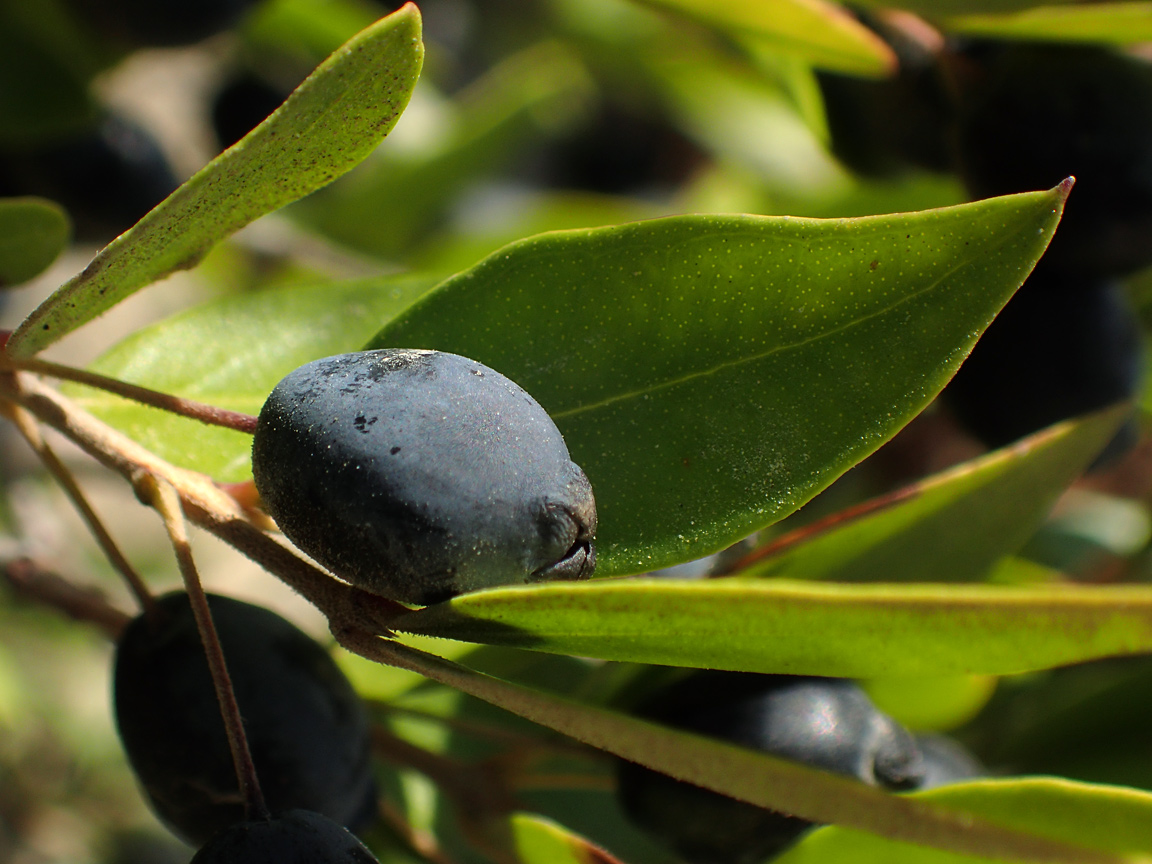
190	408
780	545
79	603
479	792
468	785
800	790
205	504
163	497
27	427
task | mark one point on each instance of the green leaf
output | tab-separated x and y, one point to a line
712	373
231	353
731	109
541	841
1088	722
751	776
1109	818
805	628
951	527
933	9
937	704
395	198
1117	23
822	33
32	233
307	30
329	123
45	94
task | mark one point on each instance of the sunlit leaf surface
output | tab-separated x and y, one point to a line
329	124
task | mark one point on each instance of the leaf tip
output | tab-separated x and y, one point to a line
409	10
1063	189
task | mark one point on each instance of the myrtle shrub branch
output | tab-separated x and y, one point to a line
358	619
27	427
835	799
207	414
162	496
204	503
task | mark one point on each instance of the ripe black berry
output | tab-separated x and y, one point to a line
620	151
306	727
419	475
243	103
295	837
106	177
823	722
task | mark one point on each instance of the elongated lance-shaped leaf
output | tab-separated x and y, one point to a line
1116	23
33	232
1111	818
933	9
329	124
712	373
951	527
749	775
806	628
820	32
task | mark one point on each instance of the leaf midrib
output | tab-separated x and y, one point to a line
776	349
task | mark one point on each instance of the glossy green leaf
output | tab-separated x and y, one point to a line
748	775
541	841
1110	818
711	374
950	527
32	233
231	353
822	33
803	628
329	124
1118	23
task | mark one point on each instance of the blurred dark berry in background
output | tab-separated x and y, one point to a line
106	177
1064	345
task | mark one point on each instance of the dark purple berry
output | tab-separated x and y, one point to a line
419	475
306	727
295	837
822	722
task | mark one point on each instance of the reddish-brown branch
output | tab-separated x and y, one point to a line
806	532
204	413
204	503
